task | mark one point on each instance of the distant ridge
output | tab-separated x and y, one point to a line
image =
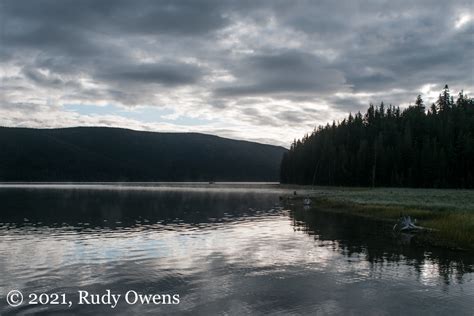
116	154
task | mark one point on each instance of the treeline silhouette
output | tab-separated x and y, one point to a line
115	154
416	147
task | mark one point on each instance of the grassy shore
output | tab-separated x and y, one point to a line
448	213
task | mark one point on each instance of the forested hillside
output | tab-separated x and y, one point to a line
113	154
421	146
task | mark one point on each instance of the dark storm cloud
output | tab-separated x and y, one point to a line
112	16
178	18
282	73
292	116
411	61
46	80
168	73
57	42
389	44
393	38
68	34
52	27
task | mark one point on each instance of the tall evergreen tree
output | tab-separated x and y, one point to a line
390	147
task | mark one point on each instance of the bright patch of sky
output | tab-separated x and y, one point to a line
147	114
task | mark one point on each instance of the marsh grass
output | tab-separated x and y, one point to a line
448	214
455	227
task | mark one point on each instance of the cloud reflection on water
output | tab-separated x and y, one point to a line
233	251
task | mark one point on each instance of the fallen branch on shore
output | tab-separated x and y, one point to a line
405	223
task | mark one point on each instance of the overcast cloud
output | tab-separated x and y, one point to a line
268	71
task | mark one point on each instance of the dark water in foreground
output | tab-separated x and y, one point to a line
223	249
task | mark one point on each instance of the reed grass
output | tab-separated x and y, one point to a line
448	214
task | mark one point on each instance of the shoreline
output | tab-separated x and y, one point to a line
449	225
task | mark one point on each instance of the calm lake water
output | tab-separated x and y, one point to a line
225	249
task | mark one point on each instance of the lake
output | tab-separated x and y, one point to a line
223	248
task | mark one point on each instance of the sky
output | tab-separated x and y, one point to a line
265	71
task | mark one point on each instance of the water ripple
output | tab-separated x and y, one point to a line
251	258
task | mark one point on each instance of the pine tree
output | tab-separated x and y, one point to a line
390	147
